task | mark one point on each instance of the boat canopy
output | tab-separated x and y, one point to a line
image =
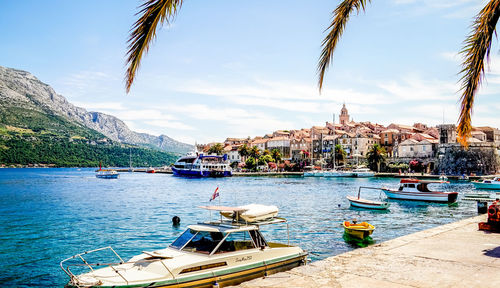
416	181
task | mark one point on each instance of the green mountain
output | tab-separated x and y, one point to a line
36	131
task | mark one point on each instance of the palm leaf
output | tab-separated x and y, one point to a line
340	18
152	13
476	51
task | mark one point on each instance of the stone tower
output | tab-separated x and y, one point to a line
344	115
447	133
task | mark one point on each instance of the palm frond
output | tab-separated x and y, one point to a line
340	18
475	52
152	13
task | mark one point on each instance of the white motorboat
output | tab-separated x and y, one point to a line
415	189
493	184
363	172
366	203
211	254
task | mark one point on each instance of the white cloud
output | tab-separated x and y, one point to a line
143	114
415	88
100	106
170	124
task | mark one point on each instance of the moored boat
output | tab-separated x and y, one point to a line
363	172
150	170
209	254
493	184
199	165
358	230
417	190
365	203
107	174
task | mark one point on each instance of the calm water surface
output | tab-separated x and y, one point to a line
51	214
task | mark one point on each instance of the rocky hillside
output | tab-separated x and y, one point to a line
22	92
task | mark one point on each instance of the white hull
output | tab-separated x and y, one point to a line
481	185
420	196
367	204
364	174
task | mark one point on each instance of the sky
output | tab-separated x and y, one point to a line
246	68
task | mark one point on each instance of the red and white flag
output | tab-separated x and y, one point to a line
215	195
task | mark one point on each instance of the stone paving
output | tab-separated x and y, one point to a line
453	255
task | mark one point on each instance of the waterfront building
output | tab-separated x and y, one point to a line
447	133
300	148
479	135
260	143
232	153
412	148
389	139
492	134
281	143
236	141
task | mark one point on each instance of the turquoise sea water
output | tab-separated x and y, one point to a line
50	214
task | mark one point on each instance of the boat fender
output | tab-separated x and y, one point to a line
492	211
176	220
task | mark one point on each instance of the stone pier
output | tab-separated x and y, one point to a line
453	255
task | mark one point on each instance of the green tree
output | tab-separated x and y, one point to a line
266	152
251	164
264	159
340	154
276	154
254	152
476	52
375	156
217	149
243	151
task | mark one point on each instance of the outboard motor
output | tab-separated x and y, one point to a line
493	223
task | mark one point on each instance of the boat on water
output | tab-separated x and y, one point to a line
358	230
493	184
107	174
362	172
418	190
150	170
365	203
199	165
210	254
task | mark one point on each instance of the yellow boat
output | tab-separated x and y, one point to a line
358	230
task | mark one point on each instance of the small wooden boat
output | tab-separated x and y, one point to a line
358	230
365	203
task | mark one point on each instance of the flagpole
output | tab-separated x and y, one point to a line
219	205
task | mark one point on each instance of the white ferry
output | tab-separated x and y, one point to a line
199	165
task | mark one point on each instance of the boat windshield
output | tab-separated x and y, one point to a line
198	241
422	187
183	239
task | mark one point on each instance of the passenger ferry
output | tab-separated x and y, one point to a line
199	165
